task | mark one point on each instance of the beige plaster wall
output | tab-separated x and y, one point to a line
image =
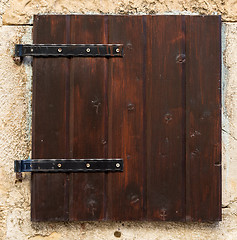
15	124
21	11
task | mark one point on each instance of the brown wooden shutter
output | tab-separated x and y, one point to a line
158	108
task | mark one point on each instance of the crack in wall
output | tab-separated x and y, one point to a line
229	134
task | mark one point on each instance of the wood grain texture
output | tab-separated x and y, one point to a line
203	88
165	118
88	124
125	94
49	191
158	108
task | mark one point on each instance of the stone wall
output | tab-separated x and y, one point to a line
15	123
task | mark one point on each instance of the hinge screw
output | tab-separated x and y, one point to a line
60	50
117	165
88	165
88	50
59	165
117	50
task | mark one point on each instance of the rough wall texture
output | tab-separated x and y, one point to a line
15	124
21	11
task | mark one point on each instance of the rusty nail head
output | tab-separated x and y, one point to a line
17	60
60	50
117	50
59	165
19	176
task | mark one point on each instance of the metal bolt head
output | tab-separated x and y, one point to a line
117	50
60	50
117	165
88	50
32	50
59	165
88	165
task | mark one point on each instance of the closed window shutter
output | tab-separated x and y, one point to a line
158	107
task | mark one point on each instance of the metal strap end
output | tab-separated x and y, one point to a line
17	166
18	50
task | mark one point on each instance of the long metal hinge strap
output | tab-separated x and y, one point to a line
69	165
69	50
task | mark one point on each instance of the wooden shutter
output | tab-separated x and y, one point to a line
158	108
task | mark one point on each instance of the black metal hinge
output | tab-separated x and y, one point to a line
69	50
69	165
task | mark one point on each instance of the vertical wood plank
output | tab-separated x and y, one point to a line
203	118
166	118
88	116
49	191
125	94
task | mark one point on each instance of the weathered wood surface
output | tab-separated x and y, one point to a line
165	118
203	126
158	108
126	116
50	139
88	119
